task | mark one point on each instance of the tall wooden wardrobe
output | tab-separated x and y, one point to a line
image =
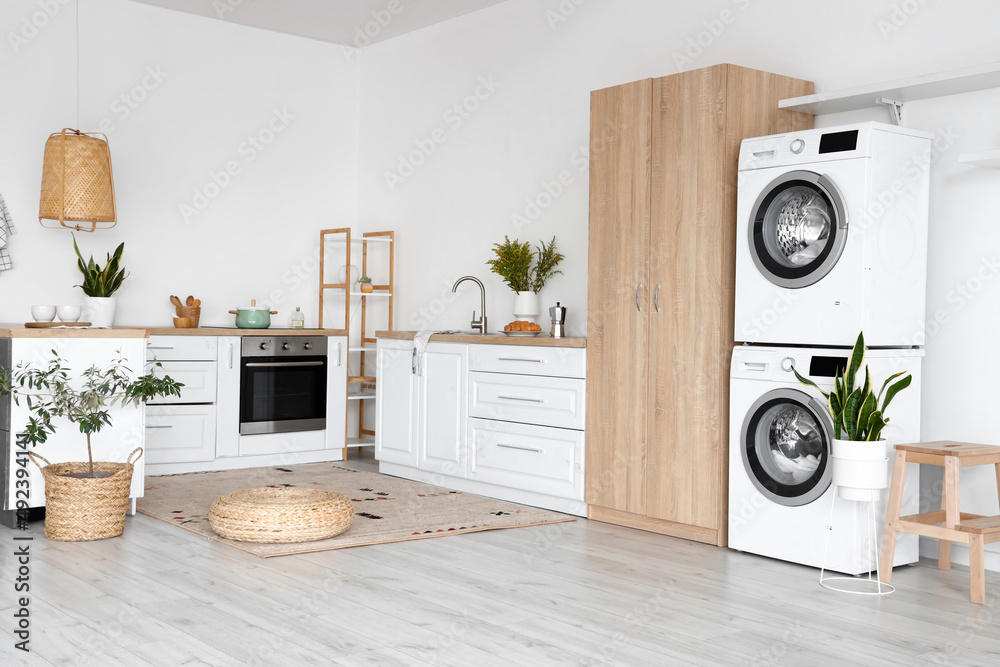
663	234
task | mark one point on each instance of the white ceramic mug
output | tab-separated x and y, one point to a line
69	313
43	313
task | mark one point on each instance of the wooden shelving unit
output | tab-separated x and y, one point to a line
360	386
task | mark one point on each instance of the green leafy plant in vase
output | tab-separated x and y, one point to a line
859	417
524	271
100	284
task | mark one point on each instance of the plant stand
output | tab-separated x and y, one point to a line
871	585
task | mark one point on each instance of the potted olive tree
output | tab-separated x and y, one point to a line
860	464
83	501
99	286
513	263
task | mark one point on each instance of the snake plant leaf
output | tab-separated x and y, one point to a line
895	389
806	381
876	422
887	381
852	408
868	407
857	357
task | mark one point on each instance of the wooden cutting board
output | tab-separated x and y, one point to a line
44	325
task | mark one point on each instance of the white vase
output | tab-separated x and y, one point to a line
860	467
100	310
526	305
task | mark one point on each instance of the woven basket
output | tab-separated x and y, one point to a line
273	515
192	312
77	183
80	509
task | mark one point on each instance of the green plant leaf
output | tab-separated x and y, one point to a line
852	408
895	389
857	357
809	383
876	422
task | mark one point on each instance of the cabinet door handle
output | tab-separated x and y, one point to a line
520	398
534	361
161	347
159	426
523	449
656	297
340	350
637	306
231	348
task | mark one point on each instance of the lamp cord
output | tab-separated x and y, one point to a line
78	65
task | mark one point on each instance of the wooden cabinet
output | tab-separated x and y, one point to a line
663	236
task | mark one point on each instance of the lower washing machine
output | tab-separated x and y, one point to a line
780	470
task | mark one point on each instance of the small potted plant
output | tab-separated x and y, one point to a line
860	464
83	501
513	263
99	286
365	284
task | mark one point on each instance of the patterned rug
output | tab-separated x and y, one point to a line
386	509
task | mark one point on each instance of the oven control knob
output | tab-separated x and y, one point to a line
263	345
307	345
286	346
787	364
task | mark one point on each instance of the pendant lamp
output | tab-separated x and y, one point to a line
78	189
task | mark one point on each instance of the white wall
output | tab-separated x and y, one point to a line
461	199
217	84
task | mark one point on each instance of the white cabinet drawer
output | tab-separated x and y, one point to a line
180	433
182	348
531	458
546	401
199	378
568	362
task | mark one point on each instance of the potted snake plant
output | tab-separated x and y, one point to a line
99	286
860	464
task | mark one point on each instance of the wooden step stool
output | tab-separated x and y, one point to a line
975	530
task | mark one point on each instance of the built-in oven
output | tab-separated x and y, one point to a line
283	384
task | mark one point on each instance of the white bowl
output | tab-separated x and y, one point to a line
43	313
69	313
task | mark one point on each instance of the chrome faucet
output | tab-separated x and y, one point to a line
479	324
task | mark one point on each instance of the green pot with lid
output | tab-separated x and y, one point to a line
253	317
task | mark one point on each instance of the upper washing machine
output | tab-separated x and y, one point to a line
832	236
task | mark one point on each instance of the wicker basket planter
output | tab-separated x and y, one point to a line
281	514
79	509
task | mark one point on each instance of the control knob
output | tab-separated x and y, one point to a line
307	345
263	345
286	346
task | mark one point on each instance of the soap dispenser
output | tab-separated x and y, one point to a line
298	319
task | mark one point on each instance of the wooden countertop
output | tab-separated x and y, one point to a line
20	331
543	340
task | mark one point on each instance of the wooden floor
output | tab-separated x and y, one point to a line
571	593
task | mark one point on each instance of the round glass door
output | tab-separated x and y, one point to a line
786	447
798	228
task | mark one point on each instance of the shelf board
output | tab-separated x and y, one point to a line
361	397
370	350
952	82
363	239
367	441
375	293
990	159
361	378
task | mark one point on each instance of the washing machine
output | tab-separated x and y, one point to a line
832	236
780	469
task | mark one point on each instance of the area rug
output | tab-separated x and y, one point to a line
386	509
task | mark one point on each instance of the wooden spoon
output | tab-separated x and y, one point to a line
197	303
174	300
190	301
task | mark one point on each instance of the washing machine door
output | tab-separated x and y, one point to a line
798	229
786	446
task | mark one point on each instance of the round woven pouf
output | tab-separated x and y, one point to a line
273	515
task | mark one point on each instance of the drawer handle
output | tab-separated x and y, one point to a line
160	426
282	364
520	398
161	347
523	449
534	361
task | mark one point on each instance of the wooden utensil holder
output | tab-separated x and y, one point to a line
191	312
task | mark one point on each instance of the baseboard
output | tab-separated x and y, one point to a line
653	525
960	553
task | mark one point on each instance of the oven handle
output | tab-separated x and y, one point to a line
282	364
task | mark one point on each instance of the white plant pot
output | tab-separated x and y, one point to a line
526	305
100	310
860	468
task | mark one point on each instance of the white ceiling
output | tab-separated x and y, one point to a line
335	21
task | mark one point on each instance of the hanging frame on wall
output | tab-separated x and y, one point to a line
78	190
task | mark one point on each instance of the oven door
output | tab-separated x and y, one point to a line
282	395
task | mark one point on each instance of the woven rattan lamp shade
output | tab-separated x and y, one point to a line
78	189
